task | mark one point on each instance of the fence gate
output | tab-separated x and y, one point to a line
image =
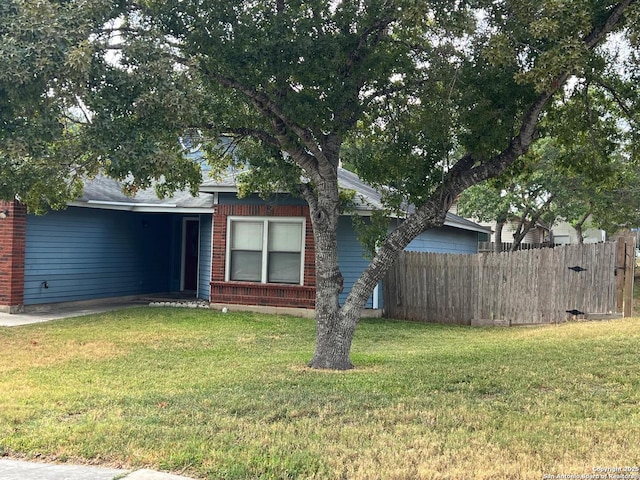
516	288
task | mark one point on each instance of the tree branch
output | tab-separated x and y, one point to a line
584	218
619	101
308	194
345	112
599	32
262	135
355	57
520	144
279	119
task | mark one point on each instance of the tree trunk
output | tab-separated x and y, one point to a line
578	227
497	244
333	342
521	231
579	234
334	333
518	237
430	215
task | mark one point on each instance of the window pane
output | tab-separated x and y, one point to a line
246	266
246	235
284	267
285	237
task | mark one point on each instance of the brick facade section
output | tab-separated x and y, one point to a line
267	294
13	234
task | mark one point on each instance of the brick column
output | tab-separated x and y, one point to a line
13	235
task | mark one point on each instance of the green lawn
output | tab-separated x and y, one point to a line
217	395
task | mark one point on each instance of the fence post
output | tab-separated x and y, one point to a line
625	263
620	273
629	264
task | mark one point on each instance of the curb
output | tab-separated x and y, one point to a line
11	469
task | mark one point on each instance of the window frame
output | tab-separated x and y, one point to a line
265	246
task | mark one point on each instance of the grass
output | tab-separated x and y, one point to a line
228	396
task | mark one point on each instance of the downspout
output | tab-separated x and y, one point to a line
376	297
376	291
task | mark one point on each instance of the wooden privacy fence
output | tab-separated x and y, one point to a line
518	288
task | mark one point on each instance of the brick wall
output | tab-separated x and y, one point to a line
250	293
13	231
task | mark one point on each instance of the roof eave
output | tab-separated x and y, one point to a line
140	208
218	189
470	228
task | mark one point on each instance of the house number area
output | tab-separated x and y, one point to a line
599	473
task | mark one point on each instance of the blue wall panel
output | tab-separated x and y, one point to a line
445	240
85	254
352	262
204	269
440	240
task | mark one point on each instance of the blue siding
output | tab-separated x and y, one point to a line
445	240
441	240
204	269
350	257
86	254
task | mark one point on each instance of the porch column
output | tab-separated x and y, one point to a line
13	235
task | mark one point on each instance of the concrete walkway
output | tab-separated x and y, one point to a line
66	311
20	470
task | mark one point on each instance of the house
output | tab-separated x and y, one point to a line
563	233
560	233
216	247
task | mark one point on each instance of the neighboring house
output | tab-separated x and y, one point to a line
561	233
539	234
216	247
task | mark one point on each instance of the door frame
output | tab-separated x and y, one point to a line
183	252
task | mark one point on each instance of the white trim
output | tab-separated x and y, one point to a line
265	242
469	228
184	251
217	188
149	208
130	204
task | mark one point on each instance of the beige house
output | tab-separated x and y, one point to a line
561	233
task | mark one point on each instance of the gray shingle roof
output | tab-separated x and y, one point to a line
104	192
366	199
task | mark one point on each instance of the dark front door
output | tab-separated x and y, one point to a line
190	257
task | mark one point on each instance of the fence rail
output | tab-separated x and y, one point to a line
506	246
535	286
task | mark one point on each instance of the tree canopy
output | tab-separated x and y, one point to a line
427	98
584	171
546	186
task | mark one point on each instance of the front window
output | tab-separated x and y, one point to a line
265	250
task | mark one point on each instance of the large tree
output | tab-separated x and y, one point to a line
404	84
